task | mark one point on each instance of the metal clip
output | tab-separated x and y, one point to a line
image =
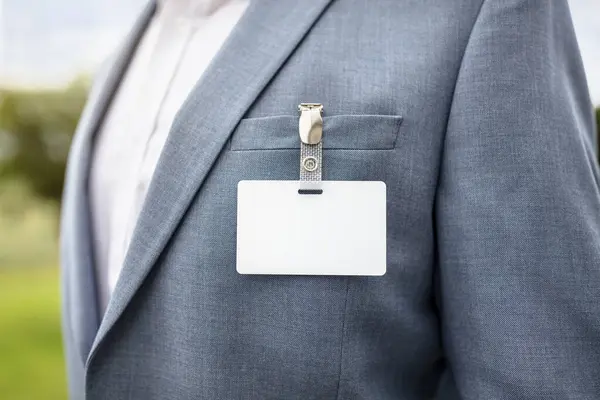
310	128
311	123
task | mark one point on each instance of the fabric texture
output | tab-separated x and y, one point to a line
493	275
80	311
311	161
178	45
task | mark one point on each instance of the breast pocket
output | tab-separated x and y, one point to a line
343	132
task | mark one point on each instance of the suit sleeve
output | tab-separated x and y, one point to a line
518	212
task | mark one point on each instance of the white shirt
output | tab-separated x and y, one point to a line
180	42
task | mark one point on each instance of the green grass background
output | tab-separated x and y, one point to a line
31	359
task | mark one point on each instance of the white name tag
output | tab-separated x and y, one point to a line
328	228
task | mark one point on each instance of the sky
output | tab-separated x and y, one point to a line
47	43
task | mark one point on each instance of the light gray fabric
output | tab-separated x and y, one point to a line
342	131
493	275
80	312
312	169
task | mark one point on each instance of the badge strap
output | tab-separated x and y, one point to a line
311	144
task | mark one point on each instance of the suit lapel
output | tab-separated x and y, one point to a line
80	290
263	39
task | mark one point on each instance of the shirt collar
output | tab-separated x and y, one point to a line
195	7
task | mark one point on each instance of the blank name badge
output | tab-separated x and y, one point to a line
311	228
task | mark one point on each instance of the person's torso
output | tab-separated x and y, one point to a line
183	323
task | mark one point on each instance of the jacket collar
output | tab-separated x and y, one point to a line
260	43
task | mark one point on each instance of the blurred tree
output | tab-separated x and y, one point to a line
36	128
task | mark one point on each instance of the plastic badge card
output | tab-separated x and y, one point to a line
310	226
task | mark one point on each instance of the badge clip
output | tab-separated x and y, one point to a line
310	129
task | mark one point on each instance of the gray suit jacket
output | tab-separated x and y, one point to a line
492	288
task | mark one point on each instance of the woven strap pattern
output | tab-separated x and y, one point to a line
311	159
